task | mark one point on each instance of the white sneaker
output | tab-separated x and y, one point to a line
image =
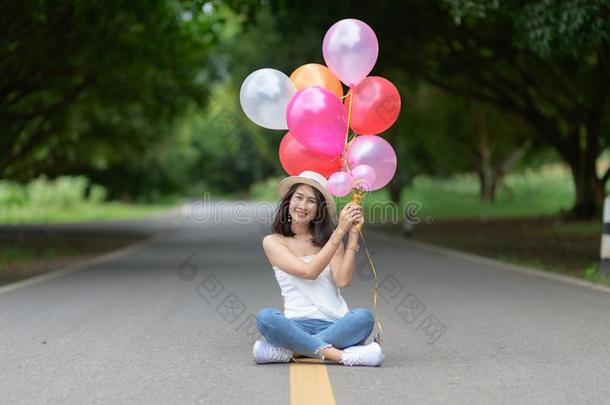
265	352
367	355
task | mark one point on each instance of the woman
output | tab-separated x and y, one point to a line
311	264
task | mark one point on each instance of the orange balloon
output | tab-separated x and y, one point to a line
314	74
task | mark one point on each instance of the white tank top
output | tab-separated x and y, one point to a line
311	299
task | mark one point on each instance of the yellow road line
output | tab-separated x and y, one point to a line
309	383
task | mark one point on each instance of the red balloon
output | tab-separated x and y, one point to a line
375	105
296	158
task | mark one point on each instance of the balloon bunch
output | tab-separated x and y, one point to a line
311	105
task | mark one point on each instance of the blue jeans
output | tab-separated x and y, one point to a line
309	336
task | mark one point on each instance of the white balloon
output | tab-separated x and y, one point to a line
264	96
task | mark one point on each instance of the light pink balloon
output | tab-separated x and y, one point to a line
340	184
350	50
317	120
376	152
364	177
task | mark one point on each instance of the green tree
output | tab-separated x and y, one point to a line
545	61
95	86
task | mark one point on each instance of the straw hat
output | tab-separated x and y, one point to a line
313	179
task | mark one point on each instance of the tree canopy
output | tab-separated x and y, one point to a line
143	95
546	62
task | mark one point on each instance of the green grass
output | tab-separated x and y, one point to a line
577	228
592	274
265	190
13	254
531	263
79	212
67	199
525	194
21	254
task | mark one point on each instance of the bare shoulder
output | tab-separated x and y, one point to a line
273	238
276	248
273	241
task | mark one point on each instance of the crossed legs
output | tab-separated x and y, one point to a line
352	329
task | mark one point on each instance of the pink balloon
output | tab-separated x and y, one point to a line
340	184
350	50
364	177
317	119
376	152
296	158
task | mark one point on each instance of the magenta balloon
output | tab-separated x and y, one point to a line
376	152
364	177
317	119
350	50
340	184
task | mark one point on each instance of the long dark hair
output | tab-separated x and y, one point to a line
321	226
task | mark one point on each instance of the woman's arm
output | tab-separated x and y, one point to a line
343	263
279	255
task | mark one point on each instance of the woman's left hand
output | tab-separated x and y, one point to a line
354	231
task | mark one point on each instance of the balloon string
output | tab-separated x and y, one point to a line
356	198
344	162
350	141
378	337
349	114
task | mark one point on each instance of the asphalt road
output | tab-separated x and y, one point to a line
171	322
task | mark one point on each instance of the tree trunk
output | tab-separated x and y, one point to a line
396	184
483	155
488	188
395	188
588	187
589	191
487	184
490	175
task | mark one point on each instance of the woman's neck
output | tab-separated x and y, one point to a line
300	229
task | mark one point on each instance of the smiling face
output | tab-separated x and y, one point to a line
303	205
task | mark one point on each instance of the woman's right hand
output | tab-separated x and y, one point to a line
350	213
